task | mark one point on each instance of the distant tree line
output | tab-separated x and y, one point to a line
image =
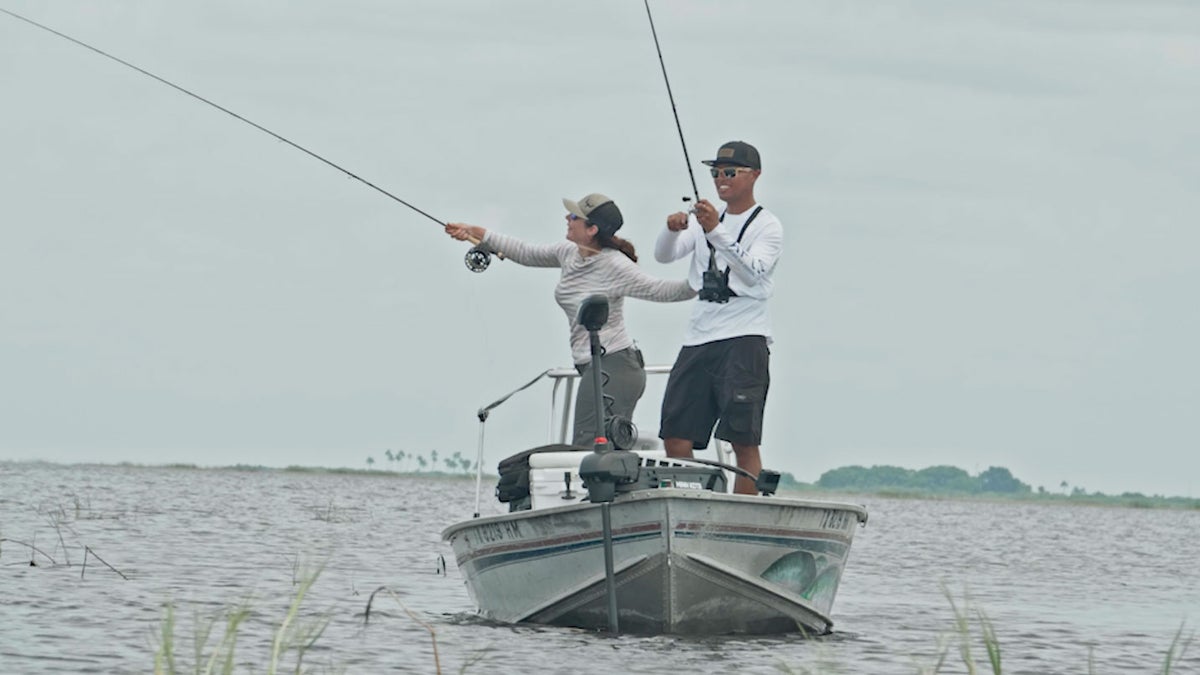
407	461
935	479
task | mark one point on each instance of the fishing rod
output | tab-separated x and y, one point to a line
687	160
477	259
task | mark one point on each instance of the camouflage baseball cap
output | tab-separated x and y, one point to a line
737	153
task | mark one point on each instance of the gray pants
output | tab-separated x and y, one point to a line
626	381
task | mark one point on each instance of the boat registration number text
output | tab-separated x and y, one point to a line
835	520
493	532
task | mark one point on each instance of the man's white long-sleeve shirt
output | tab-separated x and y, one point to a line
751	266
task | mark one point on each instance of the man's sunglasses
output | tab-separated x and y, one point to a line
728	171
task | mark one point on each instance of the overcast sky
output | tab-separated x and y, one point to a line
992	254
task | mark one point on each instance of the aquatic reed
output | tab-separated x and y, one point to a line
32	549
437	664
56	519
962	624
164	656
991	643
88	550
292	635
295	635
221	658
971	628
1178	648
327	513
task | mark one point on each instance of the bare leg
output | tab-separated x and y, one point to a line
748	459
678	447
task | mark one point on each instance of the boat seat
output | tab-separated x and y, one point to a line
536	478
513	486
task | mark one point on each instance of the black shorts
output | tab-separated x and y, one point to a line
722	383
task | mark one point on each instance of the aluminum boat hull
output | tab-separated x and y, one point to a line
688	562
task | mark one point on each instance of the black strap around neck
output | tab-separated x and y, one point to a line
712	252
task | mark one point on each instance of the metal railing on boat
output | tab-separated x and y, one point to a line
560	415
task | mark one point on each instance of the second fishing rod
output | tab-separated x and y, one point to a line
674	110
714	285
477	259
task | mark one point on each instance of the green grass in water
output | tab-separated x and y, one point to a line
296	636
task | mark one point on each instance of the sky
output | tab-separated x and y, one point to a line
990	210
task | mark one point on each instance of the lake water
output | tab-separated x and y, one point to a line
1064	586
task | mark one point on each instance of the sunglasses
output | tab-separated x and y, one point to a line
572	216
728	171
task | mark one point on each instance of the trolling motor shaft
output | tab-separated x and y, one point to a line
605	468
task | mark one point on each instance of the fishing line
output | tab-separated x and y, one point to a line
674	110
477	258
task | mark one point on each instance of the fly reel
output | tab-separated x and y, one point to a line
478	259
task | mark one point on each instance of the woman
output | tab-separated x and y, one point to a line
593	260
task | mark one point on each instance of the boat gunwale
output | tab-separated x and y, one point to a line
660	493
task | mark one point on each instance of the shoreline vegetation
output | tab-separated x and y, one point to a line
894	482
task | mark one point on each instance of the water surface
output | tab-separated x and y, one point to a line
1061	584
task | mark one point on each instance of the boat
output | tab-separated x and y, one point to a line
631	541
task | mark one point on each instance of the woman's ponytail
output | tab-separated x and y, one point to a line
622	245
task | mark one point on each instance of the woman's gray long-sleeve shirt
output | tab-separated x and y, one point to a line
609	272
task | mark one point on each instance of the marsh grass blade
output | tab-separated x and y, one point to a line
1179	646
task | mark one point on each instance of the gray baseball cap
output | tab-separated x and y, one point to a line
598	210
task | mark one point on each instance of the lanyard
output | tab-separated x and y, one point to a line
712	252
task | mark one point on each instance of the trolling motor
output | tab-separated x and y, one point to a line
605	468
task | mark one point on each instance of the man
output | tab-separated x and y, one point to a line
721	375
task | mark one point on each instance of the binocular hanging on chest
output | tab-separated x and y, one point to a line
714	286
714	283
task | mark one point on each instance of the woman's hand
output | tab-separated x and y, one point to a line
464	232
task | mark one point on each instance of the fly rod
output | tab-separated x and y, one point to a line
674	111
477	258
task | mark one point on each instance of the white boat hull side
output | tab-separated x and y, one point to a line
687	562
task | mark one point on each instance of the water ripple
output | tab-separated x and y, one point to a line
1062	585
